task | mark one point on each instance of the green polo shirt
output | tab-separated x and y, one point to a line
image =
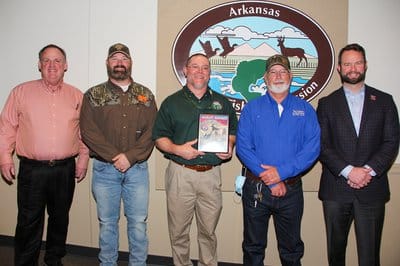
178	120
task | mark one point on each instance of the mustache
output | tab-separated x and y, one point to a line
353	72
119	66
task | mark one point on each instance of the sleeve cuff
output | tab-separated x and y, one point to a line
372	173
346	171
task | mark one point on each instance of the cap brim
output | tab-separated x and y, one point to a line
121	52
274	64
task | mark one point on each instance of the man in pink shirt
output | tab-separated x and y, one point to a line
40	122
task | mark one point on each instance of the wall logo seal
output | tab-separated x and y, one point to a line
239	36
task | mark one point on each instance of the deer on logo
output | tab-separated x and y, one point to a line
286	51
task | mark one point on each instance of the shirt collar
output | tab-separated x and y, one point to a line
284	103
190	94
52	89
115	88
348	92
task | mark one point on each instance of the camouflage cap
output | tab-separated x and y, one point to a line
277	60
118	48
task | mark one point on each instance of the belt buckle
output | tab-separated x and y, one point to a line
201	168
52	163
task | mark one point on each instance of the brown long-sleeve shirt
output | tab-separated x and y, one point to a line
113	121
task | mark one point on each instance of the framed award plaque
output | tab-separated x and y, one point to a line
213	133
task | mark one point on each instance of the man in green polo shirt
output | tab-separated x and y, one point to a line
193	177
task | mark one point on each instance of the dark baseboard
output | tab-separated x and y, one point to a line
93	252
6	240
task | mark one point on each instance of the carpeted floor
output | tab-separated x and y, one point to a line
76	256
83	256
7	255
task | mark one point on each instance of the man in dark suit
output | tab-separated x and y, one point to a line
359	143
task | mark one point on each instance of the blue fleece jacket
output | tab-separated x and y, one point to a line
290	142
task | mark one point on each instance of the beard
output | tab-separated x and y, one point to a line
278	88
122	73
345	78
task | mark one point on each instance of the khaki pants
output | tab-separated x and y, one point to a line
190	192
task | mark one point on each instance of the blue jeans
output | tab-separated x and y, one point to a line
286	211
109	186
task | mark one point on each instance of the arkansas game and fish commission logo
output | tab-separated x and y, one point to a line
239	36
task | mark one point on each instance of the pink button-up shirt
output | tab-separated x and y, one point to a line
42	124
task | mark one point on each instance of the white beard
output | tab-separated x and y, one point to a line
279	88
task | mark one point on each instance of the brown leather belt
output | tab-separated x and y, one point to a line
196	167
291	181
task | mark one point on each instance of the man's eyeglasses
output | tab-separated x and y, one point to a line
282	72
199	68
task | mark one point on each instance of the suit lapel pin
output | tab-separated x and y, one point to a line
372	97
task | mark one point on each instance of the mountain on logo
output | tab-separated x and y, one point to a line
263	50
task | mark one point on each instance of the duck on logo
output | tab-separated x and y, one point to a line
239	36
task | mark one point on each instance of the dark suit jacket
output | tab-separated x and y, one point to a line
377	145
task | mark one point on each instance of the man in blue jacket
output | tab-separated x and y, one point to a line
278	140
